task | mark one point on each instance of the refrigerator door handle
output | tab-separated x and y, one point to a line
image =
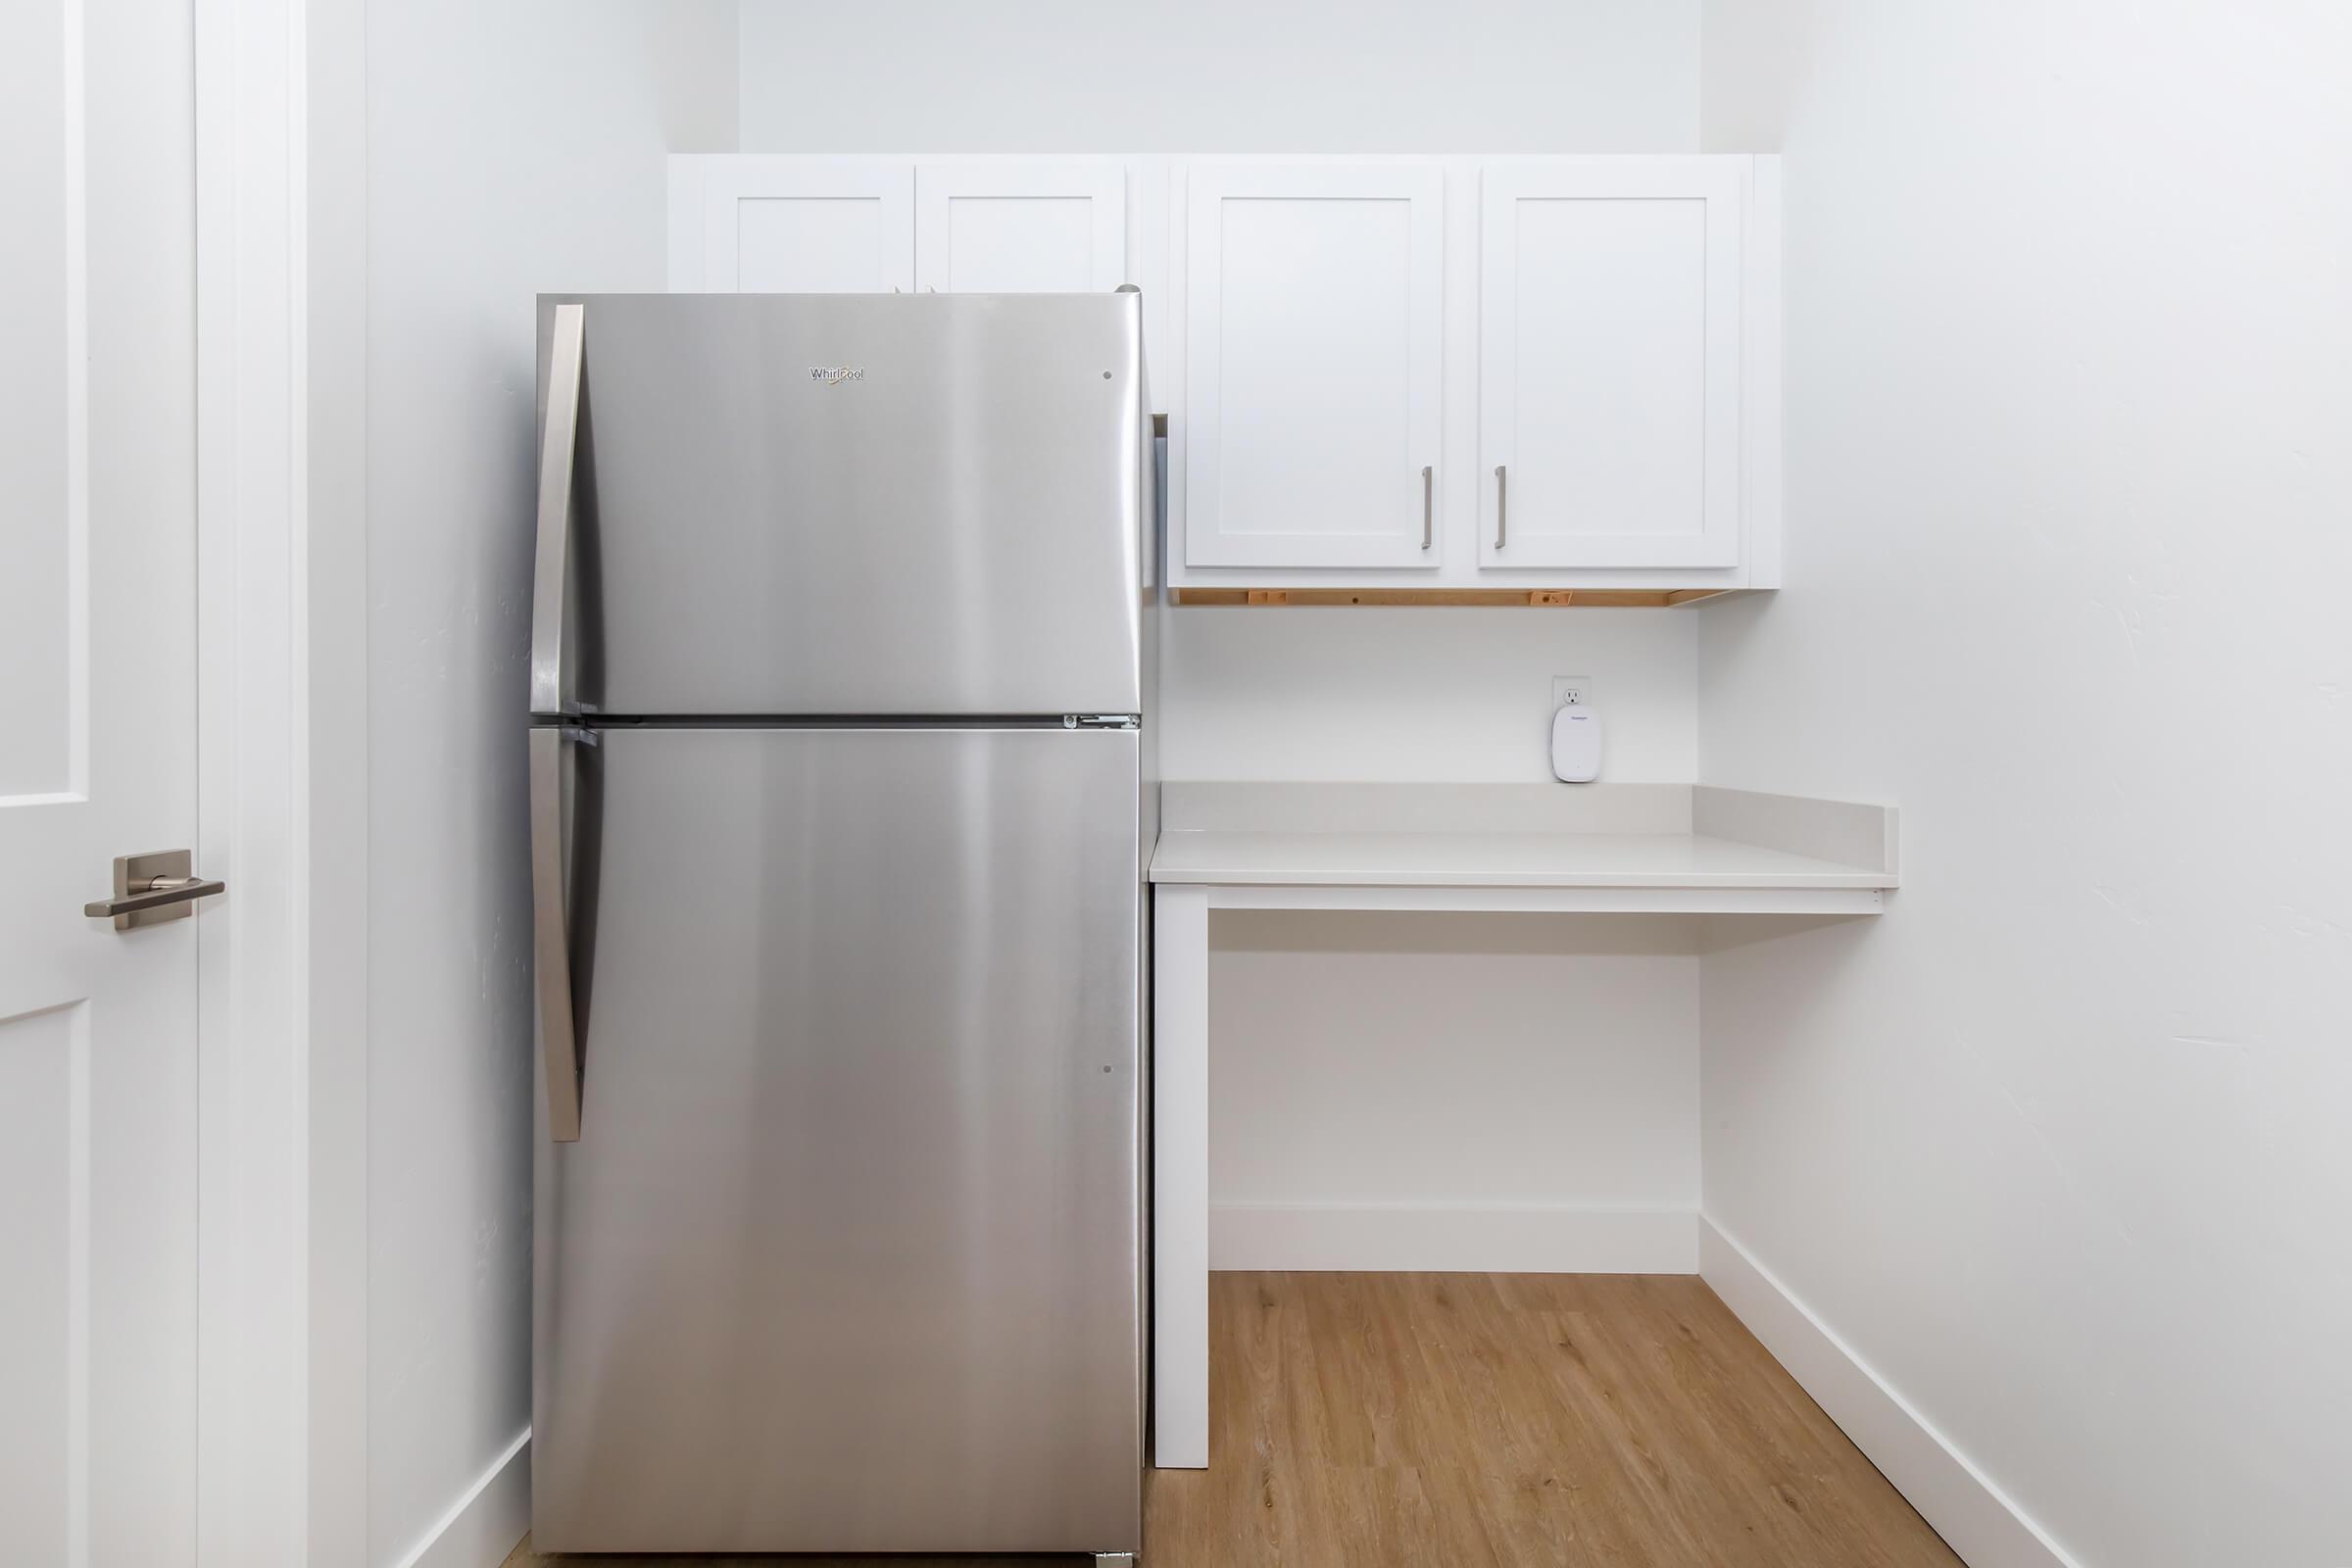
550	937
558	434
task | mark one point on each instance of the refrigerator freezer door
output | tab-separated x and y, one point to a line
845	1257
845	504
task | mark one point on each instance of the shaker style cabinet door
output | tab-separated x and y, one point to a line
1020	228
1314	302
786	226
1609	364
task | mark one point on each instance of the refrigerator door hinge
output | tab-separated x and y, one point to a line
1101	721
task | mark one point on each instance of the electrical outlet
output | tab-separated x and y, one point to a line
1571	691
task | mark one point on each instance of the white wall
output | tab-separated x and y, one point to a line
1338	694
1492	1076
1220	75
513	148
1488	1068
1461	694
2058	1145
1422	693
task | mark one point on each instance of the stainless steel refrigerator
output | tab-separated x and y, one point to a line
841	792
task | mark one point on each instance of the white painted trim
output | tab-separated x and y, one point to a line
256	780
334	679
1170	377
1761	440
483	1526
1450	1239
1980	1521
1180	1178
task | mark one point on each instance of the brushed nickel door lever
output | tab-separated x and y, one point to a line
153	888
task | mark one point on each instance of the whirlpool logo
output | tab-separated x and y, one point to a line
835	375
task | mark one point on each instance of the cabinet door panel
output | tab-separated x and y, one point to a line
1315	298
783	226
1020	229
1609	365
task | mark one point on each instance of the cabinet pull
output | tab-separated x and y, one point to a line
1499	482
1425	512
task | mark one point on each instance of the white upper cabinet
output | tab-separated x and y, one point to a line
791	225
991	228
1314	301
1609	364
1513	375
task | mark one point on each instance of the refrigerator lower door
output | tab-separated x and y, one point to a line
847	1255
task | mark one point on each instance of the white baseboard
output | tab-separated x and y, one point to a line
1974	1517
1442	1238
482	1527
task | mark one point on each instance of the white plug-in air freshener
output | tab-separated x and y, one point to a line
1575	743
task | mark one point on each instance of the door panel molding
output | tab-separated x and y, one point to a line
840	191
1630	206
1382	521
44	596
98	1133
45	1290
1101	186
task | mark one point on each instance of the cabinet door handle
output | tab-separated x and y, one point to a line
1425	507
1499	501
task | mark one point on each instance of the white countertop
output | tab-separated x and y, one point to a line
1518	836
1495	859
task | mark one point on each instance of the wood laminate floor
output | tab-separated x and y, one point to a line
1498	1421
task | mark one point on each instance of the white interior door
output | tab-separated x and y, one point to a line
1020	228
1314	297
97	758
1609	363
789	225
